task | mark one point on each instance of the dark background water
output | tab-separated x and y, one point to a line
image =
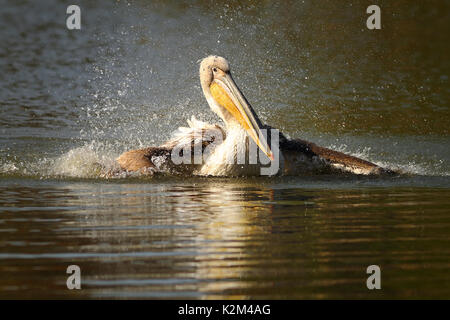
72	99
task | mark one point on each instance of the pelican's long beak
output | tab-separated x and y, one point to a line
227	94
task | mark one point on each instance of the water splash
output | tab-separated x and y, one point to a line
90	161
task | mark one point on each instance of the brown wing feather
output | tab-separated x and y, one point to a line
136	160
292	149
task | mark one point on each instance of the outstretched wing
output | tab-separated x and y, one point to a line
197	136
300	155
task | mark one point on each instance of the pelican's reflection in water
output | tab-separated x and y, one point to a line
211	237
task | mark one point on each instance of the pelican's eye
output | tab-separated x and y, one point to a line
214	69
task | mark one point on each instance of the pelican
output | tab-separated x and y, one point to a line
226	151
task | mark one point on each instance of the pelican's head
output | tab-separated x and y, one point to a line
228	102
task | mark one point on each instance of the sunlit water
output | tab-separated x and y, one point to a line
72	101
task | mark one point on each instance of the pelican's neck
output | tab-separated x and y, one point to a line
236	143
231	156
